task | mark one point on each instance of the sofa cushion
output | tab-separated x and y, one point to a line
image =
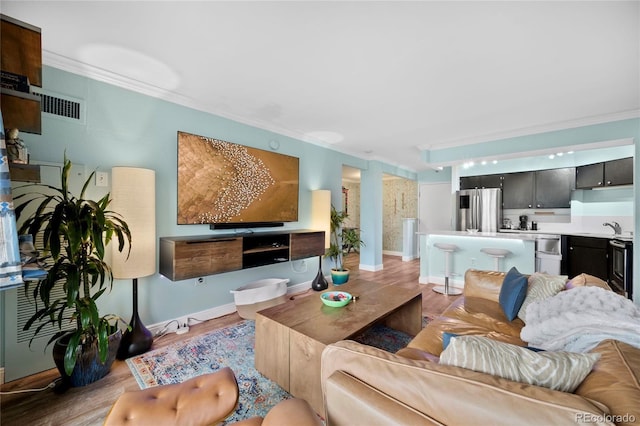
540	287
450	395
512	293
586	280
615	381
483	284
562	371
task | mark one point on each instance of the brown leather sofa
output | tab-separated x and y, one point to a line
365	385
200	401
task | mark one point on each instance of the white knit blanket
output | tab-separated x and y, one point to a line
577	320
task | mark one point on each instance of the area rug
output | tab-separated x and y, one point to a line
233	347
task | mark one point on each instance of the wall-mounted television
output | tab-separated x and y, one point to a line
228	185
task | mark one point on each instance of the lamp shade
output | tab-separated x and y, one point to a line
321	213
133	194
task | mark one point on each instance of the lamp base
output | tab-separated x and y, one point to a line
136	341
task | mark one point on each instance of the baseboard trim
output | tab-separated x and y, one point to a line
370	268
170	326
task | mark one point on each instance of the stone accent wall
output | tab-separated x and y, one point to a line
353	208
399	200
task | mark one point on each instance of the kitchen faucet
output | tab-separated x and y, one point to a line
616	227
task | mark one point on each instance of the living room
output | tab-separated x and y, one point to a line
128	121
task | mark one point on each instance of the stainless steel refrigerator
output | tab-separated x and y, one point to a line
479	209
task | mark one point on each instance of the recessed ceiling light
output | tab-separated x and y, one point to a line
559	154
495	162
551	157
484	163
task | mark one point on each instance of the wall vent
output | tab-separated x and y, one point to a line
26	308
60	106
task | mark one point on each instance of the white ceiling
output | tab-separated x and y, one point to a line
378	80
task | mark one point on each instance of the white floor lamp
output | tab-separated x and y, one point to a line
133	192
320	220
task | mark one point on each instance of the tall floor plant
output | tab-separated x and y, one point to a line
75	232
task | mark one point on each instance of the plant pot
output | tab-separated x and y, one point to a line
88	368
339	276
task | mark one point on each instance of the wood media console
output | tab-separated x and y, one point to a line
187	257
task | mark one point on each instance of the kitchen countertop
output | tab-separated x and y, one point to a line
528	234
506	235
624	237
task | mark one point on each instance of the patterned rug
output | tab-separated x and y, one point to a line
233	347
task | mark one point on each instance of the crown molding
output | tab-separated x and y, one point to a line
85	70
525	131
76	67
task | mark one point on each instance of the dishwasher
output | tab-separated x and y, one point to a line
548	254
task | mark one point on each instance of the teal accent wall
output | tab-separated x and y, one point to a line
371	208
435	176
594	133
125	128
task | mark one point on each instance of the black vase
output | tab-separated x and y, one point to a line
88	368
319	283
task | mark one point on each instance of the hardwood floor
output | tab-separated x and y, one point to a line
89	405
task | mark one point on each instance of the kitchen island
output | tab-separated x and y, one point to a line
468	255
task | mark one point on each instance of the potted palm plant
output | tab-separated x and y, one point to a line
337	248
74	233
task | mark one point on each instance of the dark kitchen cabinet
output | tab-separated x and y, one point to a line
618	172
542	189
608	173
518	190
587	255
553	188
590	176
484	181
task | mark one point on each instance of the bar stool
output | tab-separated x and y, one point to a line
497	254
446	290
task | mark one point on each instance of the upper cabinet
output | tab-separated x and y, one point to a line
518	190
618	172
542	189
554	186
608	173
21	66
484	181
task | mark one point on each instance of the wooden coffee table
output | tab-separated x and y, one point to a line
290	337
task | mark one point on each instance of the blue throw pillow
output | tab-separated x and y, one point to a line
446	338
512	293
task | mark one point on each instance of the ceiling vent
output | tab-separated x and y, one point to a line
60	106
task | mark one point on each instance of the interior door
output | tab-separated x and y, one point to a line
20	359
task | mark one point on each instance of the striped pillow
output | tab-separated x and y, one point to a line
563	371
541	286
